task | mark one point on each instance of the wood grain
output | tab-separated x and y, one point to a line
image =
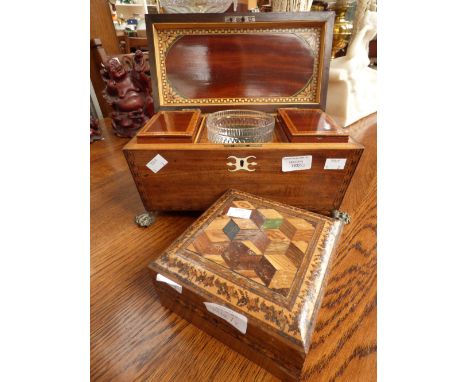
215	63
310	125
133	338
204	167
222	67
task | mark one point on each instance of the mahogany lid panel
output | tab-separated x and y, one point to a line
171	126
269	61
277	259
307	125
222	67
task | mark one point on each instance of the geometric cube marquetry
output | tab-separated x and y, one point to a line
218	259
231	229
267	218
238	256
277	271
294	254
279	242
297	229
214	231
203	245
240	229
257	242
267	248
251	274
302	245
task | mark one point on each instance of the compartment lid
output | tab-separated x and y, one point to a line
308	125
257	61
171	127
264	260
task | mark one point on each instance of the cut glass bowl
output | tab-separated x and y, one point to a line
196	6
240	126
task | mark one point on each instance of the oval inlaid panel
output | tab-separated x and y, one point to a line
228	66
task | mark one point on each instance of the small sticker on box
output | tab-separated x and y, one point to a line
239	213
335	164
157	163
237	320
296	163
172	284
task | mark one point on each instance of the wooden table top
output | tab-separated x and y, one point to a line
133	338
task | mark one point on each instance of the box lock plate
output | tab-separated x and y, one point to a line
241	163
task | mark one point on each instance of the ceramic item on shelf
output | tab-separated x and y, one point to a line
291	5
352	87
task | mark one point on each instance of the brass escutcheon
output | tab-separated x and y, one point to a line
241	163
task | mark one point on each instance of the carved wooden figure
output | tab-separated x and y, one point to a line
95	133
128	91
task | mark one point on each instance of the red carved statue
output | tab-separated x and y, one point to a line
129	93
95	133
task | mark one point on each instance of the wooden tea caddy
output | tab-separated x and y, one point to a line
254	282
273	62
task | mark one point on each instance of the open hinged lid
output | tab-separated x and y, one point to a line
309	125
260	61
264	260
171	127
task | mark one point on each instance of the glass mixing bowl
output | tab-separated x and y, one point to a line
240	126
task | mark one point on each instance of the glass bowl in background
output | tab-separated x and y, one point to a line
196	6
240	126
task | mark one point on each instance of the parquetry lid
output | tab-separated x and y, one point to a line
269	266
255	60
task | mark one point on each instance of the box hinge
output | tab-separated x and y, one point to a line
341	215
239	19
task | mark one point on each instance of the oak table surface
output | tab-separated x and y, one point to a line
134	338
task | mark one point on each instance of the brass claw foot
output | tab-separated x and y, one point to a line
145	219
341	215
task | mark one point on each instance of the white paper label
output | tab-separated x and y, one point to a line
156	164
169	282
296	163
239	213
335	163
237	320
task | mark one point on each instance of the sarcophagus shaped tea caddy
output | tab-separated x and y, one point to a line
201	63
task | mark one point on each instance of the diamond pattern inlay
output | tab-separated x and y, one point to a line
268	248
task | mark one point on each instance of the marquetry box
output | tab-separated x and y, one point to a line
272	62
251	272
